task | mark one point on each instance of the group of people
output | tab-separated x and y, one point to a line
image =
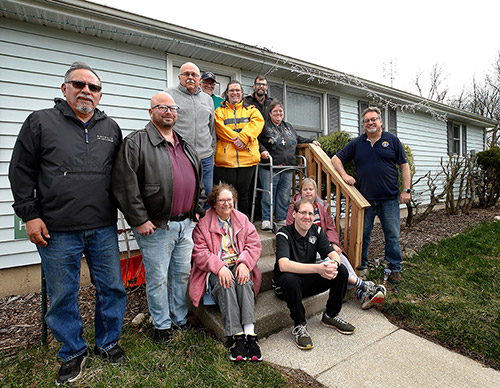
71	169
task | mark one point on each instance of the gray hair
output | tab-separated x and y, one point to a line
76	66
311	181
372	109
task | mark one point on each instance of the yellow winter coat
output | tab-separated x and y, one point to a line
244	121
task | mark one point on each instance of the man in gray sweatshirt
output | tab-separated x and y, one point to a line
195	121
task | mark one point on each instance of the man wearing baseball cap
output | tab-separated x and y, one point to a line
208	82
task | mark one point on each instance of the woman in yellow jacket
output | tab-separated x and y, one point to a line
237	126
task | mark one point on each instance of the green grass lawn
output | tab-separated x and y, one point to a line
192	359
451	292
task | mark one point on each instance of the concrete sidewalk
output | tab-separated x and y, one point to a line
378	354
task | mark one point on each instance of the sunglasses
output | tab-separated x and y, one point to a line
80	85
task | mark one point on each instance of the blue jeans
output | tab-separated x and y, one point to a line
389	215
61	260
207	166
166	255
282	184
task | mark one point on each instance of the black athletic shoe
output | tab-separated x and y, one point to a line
253	349
71	370
163	336
239	350
114	355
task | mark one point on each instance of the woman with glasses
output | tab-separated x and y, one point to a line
279	140
369	293
237	126
226	250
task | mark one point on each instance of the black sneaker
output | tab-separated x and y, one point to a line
71	370
253	349
239	350
338	323
302	338
163	336
115	355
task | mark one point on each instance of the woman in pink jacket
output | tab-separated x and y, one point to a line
369	293
226	250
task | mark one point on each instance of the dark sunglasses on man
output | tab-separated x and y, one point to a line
80	85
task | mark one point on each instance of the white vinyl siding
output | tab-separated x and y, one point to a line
475	139
33	60
428	142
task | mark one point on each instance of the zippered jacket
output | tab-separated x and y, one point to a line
142	181
207	240
60	169
244	121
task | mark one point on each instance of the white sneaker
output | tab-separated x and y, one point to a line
266	225
281	223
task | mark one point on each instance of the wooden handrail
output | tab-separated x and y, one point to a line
318	163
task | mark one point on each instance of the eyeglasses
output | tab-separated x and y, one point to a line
304	213
80	85
190	74
372	120
260	84
165	108
223	201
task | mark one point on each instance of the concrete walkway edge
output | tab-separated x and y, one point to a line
378	354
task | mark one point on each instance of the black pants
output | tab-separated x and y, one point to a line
295	287
240	178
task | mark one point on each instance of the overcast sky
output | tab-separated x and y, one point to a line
359	37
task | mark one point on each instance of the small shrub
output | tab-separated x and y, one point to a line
333	143
489	188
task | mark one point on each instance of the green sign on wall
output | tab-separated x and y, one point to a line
19	228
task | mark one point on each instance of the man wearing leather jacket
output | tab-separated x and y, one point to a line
157	182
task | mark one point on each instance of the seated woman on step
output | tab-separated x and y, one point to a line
369	293
226	250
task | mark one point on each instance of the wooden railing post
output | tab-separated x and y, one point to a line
318	163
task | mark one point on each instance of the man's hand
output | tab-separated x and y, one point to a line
404	197
328	269
146	229
264	155
349	179
37	230
225	277
242	274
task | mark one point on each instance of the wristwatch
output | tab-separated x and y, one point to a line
407	191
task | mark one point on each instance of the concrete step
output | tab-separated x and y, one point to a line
266	266
268	241
271	314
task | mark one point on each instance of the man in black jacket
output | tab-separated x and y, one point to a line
157	181
259	97
298	275
60	178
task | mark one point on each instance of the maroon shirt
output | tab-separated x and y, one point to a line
184	179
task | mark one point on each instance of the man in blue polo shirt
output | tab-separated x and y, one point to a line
377	154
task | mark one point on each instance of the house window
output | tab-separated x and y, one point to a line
275	90
457	139
303	110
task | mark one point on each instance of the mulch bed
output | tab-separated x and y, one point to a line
20	315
